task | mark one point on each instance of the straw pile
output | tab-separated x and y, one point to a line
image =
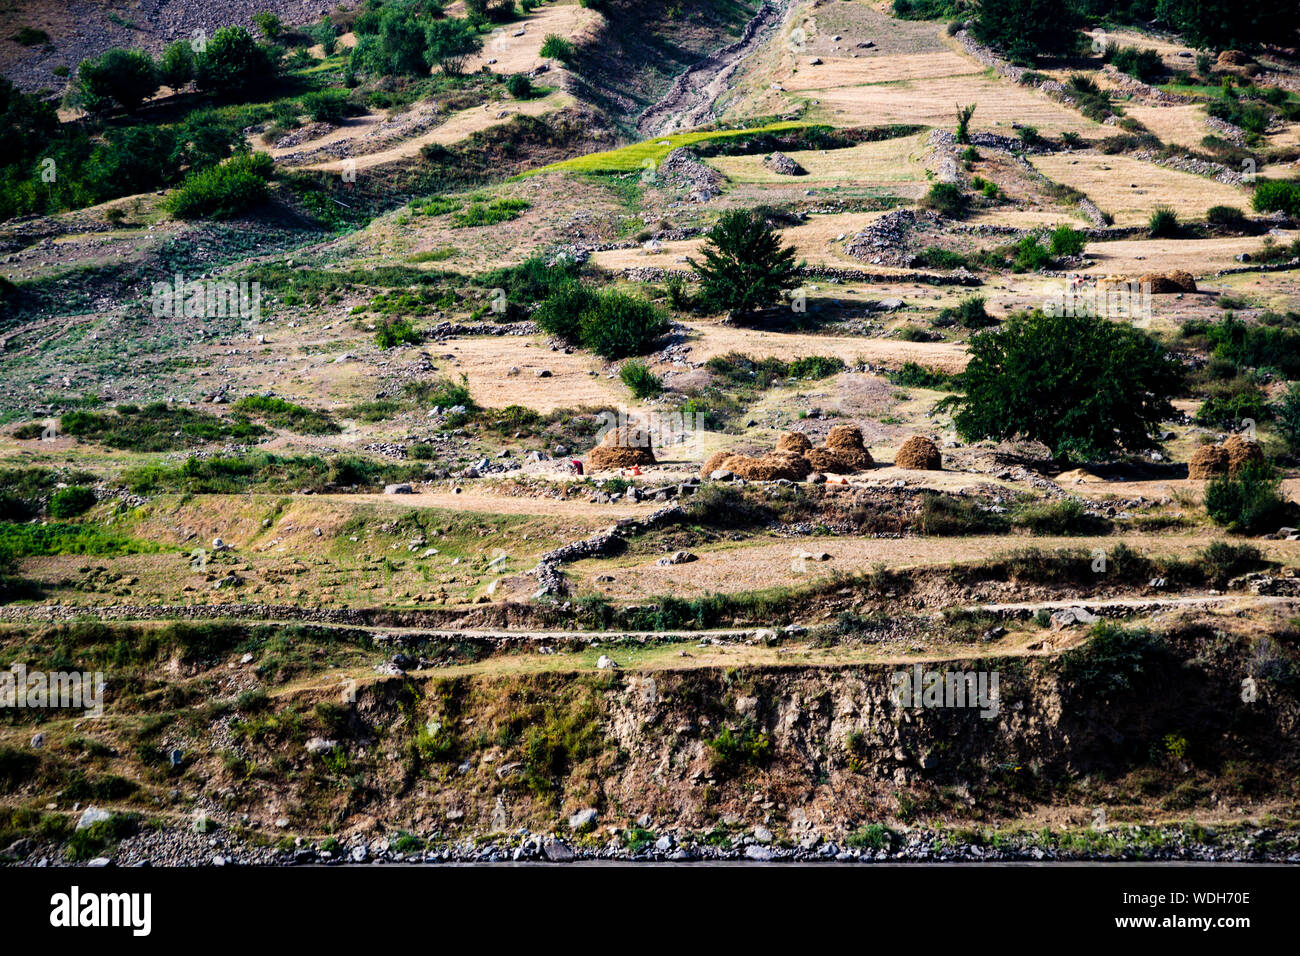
920	453
795	458
1242	452
1227	459
621	448
843	452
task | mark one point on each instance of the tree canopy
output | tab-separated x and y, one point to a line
1084	386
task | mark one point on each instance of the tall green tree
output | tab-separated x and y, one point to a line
1084	386
232	62
449	42
746	265
118	78
1027	29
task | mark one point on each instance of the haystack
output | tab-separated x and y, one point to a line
769	467
920	453
796	443
1165	282
621	448
843	452
714	462
1241	452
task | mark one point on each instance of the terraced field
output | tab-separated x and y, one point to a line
397	473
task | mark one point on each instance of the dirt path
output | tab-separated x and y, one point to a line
689	102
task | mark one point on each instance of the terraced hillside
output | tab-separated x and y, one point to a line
372	425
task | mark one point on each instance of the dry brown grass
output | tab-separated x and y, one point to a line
1130	189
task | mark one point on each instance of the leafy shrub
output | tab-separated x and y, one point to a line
814	367
748	747
969	313
913	375
327	106
1113	661
1288	415
616	325
1144	65
157	427
1221	562
520	86
489	213
560	313
1059	518
947	199
1163	223
223	191
947	515
1249	502
1065	241
72	501
1229	216
394	332
284	414
1277	196
1031	254
556	47
638	377
232	62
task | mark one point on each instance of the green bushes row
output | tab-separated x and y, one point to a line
157	427
612	324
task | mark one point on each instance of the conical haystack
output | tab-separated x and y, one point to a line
843	452
768	467
920	453
1242	452
621	448
1208	461
794	442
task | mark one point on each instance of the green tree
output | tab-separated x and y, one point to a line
1225	24
1027	29
449	42
232	62
125	78
1083	386
270	25
746	266
176	66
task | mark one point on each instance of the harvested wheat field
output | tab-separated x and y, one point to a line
1130	189
837	73
756	565
886	163
931	102
1180	123
559	489
574	380
1197	256
710	340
